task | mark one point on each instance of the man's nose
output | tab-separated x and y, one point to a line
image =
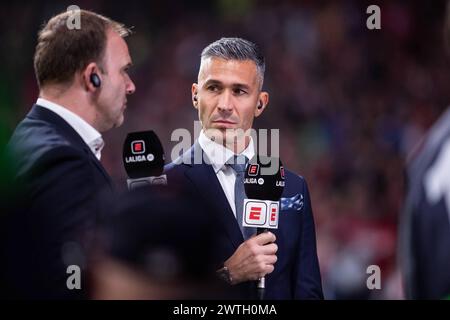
131	88
225	102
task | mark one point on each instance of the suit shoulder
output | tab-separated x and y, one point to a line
295	183
35	137
36	144
53	159
294	177
175	169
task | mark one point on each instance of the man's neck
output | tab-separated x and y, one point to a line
237	146
73	101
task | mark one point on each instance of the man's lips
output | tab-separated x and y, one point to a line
224	122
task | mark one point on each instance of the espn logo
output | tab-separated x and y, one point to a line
273	214
257	212
138	147
253	170
260	213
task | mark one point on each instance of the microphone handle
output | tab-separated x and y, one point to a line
261	282
261	230
146	181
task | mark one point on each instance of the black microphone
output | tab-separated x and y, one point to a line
143	159
264	184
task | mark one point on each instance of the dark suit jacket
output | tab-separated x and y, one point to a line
424	237
296	274
60	181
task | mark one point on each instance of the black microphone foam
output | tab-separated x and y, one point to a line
264	178
143	155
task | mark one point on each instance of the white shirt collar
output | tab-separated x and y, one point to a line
218	155
88	133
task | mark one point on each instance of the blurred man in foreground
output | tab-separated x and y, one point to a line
156	243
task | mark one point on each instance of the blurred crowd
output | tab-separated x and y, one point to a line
351	103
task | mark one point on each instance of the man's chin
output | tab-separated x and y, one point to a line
215	134
118	122
224	135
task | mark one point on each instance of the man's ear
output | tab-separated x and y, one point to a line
86	77
263	101
195	95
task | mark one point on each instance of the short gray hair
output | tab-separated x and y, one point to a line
236	49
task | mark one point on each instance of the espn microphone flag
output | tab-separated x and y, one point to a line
261	213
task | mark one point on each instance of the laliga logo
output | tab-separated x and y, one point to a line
138	149
281	183
261	213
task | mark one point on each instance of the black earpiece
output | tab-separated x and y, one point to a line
260	105
95	80
195	98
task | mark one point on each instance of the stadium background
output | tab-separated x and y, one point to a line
350	103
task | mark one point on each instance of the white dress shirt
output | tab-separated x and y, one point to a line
218	155
90	136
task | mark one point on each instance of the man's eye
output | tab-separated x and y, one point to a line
213	88
239	91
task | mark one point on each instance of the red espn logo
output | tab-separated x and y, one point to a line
253	170
255	213
261	213
138	147
273	221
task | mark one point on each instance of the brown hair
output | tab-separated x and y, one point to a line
62	51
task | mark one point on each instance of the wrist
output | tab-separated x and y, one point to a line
224	274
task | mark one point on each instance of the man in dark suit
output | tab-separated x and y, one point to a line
228	96
83	82
425	225
424	228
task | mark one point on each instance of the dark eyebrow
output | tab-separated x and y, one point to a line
234	85
212	81
241	86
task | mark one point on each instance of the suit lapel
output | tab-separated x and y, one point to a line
100	167
205	180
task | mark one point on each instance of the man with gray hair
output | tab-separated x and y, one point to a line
228	97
